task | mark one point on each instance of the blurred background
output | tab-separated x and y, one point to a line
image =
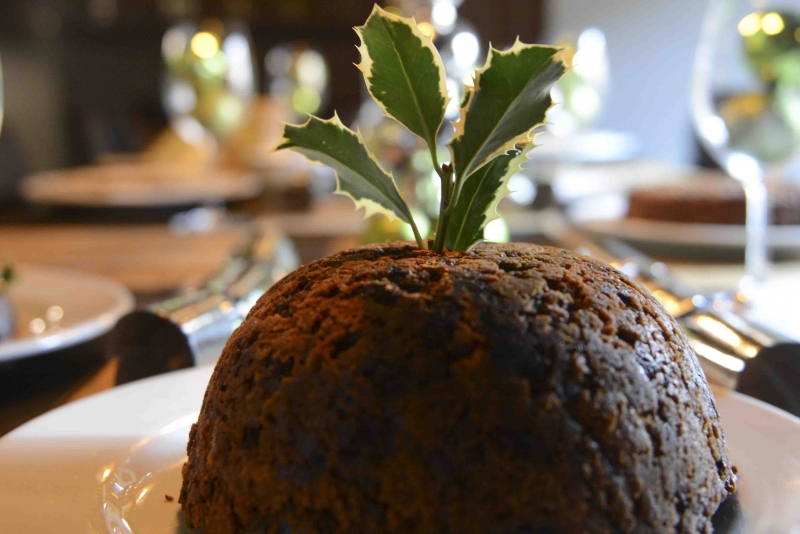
83	77
137	136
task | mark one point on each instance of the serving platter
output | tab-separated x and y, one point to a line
138	184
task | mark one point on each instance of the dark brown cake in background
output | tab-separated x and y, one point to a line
711	200
512	389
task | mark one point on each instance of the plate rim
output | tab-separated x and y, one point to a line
681	233
676	233
123	390
42	426
76	334
719	391
33	189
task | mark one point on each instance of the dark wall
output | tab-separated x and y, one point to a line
101	58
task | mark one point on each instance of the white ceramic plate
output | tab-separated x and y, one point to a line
107	463
604	215
57	308
138	184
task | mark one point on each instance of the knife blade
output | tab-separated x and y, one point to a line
193	327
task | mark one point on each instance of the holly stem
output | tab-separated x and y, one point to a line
446	175
422	243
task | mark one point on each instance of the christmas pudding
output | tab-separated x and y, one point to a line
451	386
509	389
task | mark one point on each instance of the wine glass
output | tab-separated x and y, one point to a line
746	105
209	80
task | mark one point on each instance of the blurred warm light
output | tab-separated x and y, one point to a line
720	358
204	45
189	129
239	62
212	67
444	16
142	495
311	70
586	102
668	301
465	49
427	28
298	76
727	335
496	232
181	97
718	329
54	314
772	23
750	24
423	224
582	88
173	44
592	39
523	190
589	60
229	110
106	472
37	326
306	100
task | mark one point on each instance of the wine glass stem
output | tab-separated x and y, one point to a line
756	253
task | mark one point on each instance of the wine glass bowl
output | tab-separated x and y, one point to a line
209	79
746	104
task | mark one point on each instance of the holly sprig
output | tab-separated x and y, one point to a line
405	76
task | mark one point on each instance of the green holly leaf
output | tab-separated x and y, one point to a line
511	97
476	206
403	72
358	173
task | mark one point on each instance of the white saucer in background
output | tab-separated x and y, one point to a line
57	308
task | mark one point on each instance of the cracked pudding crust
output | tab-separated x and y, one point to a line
511	389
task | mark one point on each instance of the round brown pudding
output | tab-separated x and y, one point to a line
512	389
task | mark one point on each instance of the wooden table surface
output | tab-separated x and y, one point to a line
146	258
